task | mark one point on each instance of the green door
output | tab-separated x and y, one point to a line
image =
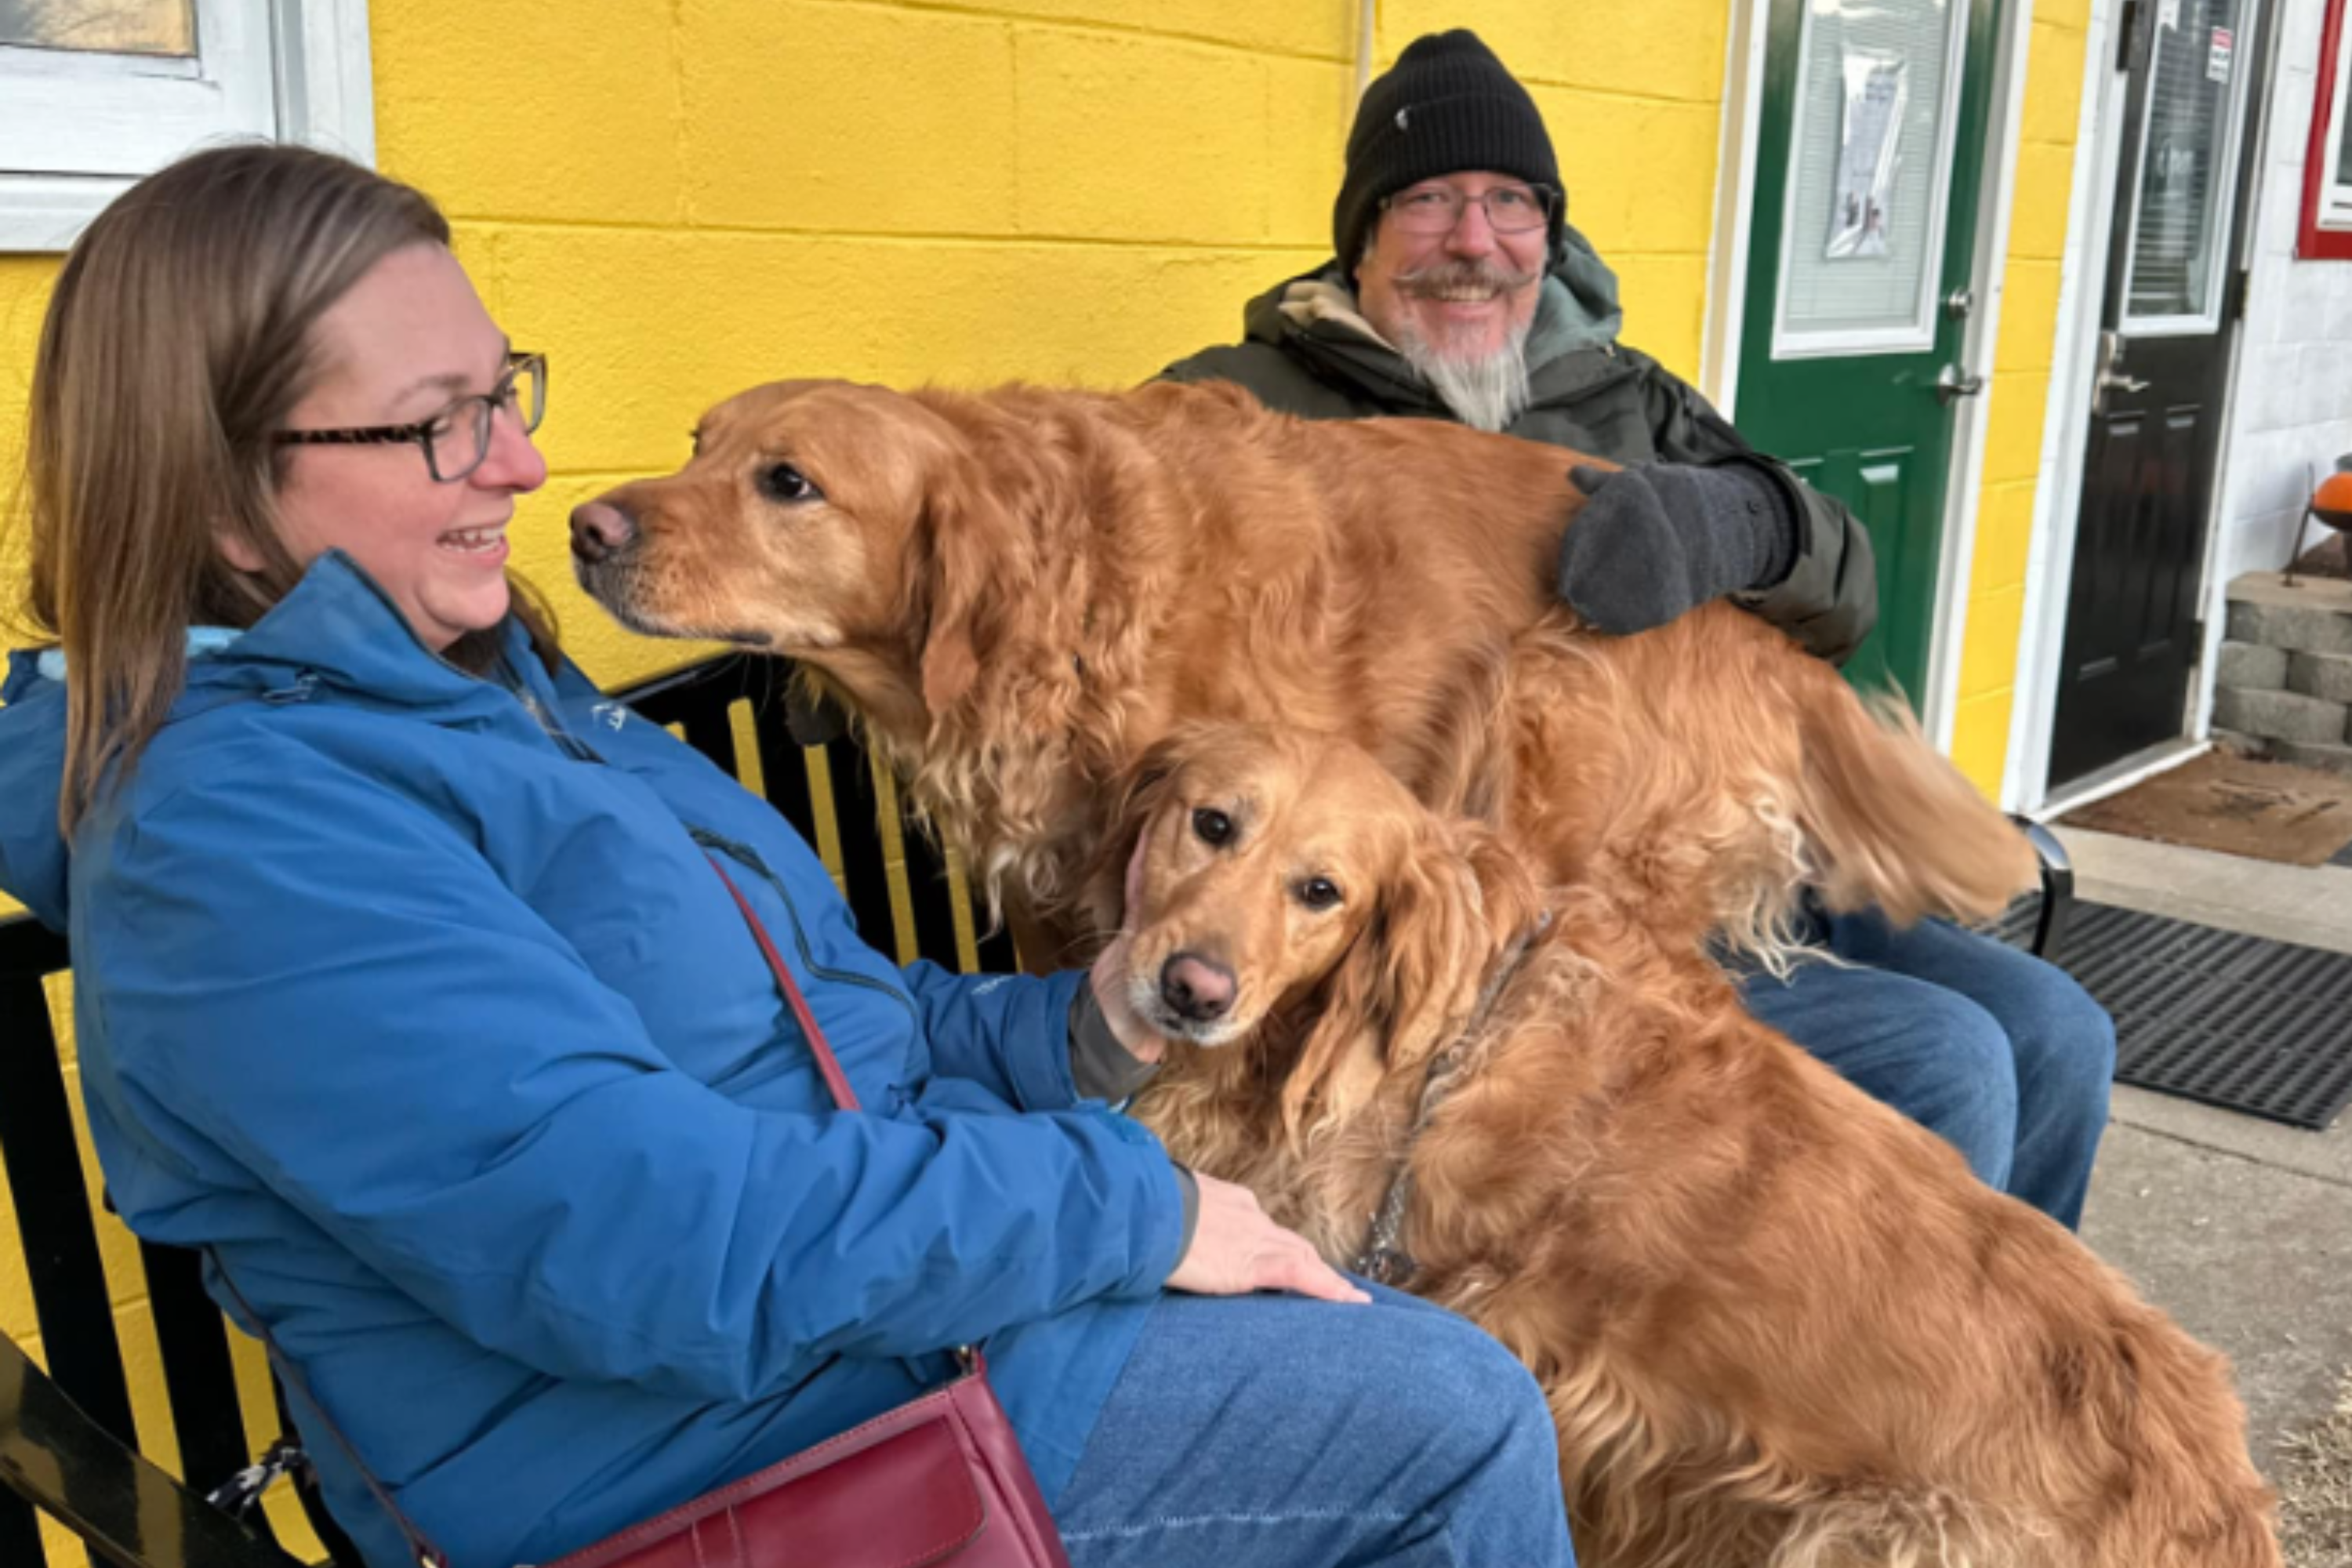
1872	142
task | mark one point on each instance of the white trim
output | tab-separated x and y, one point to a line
2065	431
2120	775
1836	343
1989	275
2214	595
1734	198
314	75
1918	335
326	76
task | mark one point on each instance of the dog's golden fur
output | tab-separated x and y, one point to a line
1021	590
1777	1323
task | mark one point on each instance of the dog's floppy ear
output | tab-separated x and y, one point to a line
998	569
967	553
1136	797
1411	979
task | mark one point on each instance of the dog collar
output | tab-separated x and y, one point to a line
1384	1260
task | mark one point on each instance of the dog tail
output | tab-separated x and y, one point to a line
2184	1492
1889	821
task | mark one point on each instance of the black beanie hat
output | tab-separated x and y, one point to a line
1445	106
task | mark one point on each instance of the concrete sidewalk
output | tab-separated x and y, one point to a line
2242	1229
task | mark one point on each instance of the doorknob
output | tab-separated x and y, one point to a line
1952	383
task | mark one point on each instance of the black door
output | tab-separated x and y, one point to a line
2172	298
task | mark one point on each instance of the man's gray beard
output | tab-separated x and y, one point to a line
1487	393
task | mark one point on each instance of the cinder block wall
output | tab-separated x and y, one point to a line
677	201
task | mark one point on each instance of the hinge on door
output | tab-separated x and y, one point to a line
2233	302
2197	642
2127	32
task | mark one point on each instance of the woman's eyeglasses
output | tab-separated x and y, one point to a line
457	440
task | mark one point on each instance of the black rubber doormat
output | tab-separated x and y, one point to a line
2235	1021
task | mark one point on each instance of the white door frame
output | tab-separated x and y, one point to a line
1727	293
2066	435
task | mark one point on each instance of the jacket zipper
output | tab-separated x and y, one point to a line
749	858
743	853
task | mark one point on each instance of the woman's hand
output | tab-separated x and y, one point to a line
1237	1249
1108	976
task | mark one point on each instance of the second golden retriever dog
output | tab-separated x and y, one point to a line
1021	590
1777	1323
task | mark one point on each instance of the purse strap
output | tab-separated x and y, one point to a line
827	1063
420	1545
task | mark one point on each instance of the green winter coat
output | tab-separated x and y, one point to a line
1305	351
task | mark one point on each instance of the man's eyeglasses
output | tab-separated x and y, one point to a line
457	440
1436	209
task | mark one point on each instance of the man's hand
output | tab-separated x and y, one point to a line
1657	540
1236	1249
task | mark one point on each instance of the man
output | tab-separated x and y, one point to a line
1458	291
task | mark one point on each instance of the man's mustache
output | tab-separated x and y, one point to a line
1455	277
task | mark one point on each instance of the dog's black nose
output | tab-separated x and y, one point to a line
1195	988
600	531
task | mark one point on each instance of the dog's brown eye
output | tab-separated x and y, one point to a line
782	482
1212	826
1319	893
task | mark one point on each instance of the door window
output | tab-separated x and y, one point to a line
126	28
2183	197
1878	89
91	97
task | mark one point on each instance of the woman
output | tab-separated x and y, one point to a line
407	988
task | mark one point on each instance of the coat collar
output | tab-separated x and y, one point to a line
340	631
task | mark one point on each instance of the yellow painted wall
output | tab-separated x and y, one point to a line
673	201
2021	386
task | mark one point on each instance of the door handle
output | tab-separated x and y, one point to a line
2111	378
1953	384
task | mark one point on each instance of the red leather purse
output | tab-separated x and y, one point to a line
938	1480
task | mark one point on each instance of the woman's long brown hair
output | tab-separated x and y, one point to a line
179	336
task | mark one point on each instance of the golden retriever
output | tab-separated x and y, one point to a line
1022	590
1777	1323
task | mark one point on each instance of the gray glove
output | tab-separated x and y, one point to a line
1659	539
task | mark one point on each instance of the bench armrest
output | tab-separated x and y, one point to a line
2057	887
129	1513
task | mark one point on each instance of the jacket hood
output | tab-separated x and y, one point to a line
1579	310
336	629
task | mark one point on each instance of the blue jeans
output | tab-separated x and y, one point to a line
1275	1432
2002	1055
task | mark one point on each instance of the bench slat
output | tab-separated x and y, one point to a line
198	1373
70	1301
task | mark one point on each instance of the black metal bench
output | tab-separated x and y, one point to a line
68	1444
